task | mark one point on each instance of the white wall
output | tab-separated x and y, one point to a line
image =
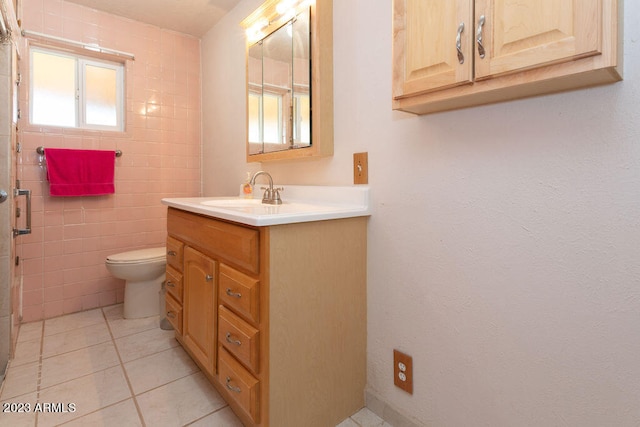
504	246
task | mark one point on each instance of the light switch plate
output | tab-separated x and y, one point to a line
360	168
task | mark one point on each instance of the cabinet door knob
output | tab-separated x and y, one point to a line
479	40
171	315
208	278
459	43
171	284
171	253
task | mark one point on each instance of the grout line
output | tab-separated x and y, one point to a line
92	412
206	415
124	371
39	381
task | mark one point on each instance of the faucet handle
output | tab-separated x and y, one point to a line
267	196
276	195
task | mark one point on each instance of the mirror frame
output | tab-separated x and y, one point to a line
321	23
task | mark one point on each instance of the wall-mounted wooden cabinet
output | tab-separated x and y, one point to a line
450	54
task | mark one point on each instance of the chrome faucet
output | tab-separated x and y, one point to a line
271	195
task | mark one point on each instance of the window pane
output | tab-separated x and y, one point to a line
302	123
271	113
100	95
54	89
254	118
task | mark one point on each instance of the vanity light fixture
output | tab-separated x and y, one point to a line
284	11
286	7
254	32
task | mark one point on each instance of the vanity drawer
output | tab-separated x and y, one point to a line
239	292
234	244
173	283
238	337
174	313
174	253
241	386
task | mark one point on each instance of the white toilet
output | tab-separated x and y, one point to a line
144	272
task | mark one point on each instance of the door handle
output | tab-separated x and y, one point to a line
3	196
459	43
479	38
20	192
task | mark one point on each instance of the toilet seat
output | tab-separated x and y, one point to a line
139	256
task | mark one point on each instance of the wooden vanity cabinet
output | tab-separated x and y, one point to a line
285	312
451	54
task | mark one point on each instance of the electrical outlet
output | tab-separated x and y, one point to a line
403	371
360	168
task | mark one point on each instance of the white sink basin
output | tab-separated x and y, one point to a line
234	203
301	204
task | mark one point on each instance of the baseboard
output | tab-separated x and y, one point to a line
387	412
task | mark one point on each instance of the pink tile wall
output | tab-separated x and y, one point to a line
63	259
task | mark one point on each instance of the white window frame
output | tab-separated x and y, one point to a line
80	83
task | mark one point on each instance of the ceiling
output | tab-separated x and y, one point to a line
193	17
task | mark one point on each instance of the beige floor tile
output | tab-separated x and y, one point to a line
123	414
88	394
72	321
113	311
171	391
366	418
222	418
20	380
121	327
75	339
30	331
20	419
180	402
78	363
27	352
159	369
348	423
145	343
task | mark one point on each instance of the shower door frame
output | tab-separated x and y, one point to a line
10	278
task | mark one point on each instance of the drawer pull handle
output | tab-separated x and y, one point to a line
171	315
232	388
171	284
233	294
232	341
208	278
172	253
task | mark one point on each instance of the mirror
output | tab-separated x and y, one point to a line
279	88
284	78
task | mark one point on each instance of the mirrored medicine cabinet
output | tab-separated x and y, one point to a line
289	80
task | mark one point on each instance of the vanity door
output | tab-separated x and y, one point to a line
200	302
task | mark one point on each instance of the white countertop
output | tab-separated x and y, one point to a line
300	204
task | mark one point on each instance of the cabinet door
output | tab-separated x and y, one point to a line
425	45
199	307
523	34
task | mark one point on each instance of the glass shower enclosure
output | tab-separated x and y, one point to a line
9	273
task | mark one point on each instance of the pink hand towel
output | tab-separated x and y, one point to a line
80	172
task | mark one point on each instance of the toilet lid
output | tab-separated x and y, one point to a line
140	255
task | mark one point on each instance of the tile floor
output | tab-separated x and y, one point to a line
116	372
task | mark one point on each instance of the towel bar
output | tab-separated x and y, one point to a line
40	150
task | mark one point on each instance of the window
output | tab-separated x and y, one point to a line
265	118
72	91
